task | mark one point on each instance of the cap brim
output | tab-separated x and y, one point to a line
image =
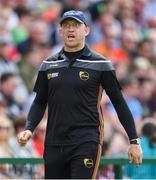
71	17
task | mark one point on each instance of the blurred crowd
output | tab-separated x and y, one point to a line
124	31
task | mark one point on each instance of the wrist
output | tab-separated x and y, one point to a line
135	141
29	131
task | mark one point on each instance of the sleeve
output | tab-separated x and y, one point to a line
39	104
36	112
41	84
113	89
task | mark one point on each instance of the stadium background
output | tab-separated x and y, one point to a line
124	31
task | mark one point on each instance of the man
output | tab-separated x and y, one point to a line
71	82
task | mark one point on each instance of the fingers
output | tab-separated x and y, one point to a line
138	157
130	157
137	162
22	143
135	154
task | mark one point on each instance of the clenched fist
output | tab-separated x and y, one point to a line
24	137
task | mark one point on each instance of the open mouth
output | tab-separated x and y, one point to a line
71	37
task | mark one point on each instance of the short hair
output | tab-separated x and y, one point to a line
4	77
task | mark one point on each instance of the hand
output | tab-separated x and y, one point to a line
135	154
24	137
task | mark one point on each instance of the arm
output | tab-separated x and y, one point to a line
34	117
36	112
113	90
38	107
112	87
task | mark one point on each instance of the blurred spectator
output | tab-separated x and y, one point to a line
100	31
129	42
144	49
149	13
20	32
145	95
51	15
8	84
7	12
126	10
139	14
140	68
5	148
106	48
5	64
30	64
38	34
10	52
109	49
4	32
96	8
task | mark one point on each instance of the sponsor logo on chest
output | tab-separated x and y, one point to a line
52	75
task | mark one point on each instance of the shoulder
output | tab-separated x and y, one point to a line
52	58
97	62
97	56
51	61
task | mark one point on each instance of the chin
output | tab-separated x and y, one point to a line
72	45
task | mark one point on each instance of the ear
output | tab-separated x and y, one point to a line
60	31
87	30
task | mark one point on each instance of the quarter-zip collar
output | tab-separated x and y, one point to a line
85	53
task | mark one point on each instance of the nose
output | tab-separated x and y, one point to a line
71	28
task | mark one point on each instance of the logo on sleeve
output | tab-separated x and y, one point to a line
52	75
88	162
84	75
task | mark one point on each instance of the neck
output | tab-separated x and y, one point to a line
74	49
72	55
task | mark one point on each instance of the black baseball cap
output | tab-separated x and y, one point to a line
77	15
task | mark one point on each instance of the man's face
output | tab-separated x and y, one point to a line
73	33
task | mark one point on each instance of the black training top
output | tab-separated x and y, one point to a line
72	85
